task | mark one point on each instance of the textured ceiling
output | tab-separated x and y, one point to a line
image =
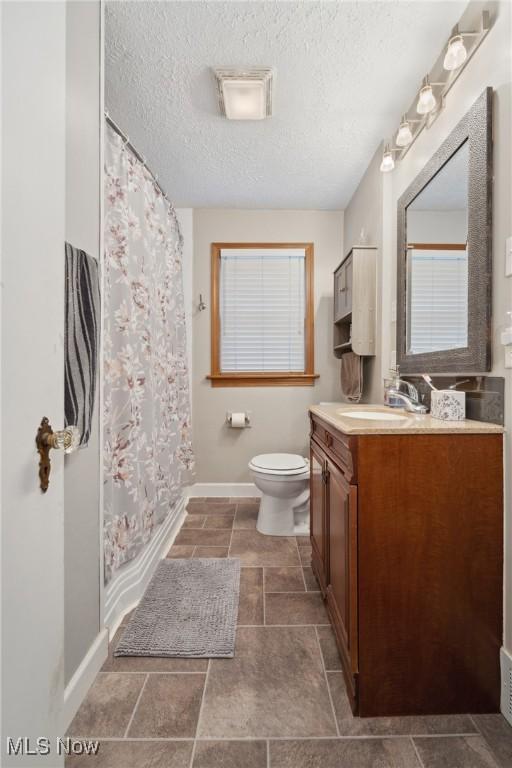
344	72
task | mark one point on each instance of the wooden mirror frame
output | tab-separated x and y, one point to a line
476	128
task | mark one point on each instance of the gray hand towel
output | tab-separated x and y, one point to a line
352	376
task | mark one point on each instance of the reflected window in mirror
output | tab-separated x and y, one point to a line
437	260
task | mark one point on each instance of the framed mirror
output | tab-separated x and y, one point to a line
444	301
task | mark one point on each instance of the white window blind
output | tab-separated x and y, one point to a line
438	303
262	309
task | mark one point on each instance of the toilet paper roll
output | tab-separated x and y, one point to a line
238	420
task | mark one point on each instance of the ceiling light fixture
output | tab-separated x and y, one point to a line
456	53
388	162
245	94
404	135
426	100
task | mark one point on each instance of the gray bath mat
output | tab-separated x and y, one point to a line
188	610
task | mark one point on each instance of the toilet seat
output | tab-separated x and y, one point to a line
279	464
283	479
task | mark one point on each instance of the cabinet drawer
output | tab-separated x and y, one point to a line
339	447
319	432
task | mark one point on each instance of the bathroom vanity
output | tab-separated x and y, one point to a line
407	540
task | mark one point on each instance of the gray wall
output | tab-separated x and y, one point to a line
279	414
491	66
81	475
365	212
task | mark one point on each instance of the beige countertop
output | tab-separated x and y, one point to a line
336	415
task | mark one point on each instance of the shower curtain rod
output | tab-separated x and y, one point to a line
137	154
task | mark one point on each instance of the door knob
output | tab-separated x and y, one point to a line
67	439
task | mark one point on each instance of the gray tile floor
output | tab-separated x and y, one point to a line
281	702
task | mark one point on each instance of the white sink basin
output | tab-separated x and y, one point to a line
372	415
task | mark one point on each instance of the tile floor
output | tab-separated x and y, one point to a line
281	702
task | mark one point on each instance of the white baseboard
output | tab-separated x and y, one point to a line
242	490
128	586
506	684
84	676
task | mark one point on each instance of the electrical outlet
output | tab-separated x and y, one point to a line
508	257
508	357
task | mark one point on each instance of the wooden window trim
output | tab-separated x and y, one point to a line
437	246
305	378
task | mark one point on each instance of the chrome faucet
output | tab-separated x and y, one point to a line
411	402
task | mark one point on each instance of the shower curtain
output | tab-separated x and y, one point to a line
148	455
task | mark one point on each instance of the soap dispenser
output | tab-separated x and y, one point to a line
392	382
399	385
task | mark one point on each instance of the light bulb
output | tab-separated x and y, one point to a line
456	54
426	100
387	160
404	135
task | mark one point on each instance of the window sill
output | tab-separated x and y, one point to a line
263	379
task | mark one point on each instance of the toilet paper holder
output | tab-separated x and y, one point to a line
229	418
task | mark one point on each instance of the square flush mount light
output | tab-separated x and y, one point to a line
245	94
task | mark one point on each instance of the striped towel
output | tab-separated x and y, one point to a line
81	339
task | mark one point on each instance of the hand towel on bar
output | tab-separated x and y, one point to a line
81	339
352	376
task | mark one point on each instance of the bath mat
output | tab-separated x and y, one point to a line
189	610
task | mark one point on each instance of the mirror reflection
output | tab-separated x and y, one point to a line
437	260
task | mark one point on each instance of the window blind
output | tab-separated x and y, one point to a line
438	305
262	309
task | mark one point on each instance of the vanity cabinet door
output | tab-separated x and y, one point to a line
317	516
341	500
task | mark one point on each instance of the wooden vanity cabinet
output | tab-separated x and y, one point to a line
341	592
317	515
406	534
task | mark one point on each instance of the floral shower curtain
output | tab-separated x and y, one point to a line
147	434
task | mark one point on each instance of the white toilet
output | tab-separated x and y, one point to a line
283	479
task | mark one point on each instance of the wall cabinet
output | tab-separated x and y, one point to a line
355	302
406	534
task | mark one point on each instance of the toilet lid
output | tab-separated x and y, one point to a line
279	462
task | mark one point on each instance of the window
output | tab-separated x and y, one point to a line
438	296
262	314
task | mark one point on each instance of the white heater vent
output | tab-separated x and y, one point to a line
506	684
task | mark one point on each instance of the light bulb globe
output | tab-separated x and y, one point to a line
404	135
387	163
456	54
426	101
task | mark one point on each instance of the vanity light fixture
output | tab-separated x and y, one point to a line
456	53
404	135
426	99
244	94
